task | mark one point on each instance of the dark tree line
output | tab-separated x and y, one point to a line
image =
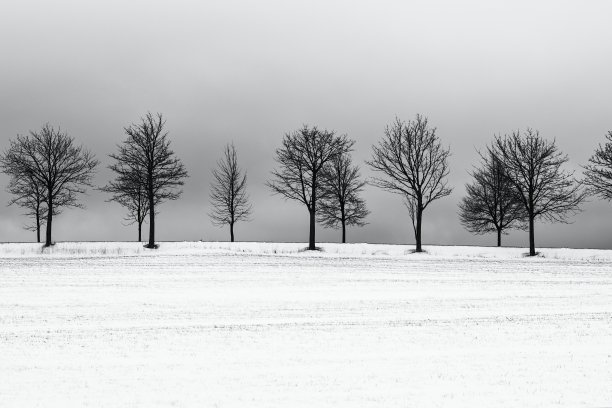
520	179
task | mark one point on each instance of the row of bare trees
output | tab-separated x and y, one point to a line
48	172
520	179
315	168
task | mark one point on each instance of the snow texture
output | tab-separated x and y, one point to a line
199	324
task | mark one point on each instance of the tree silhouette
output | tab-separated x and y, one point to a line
145	156
29	194
128	191
342	204
533	165
414	164
491	203
50	157
301	159
228	192
599	170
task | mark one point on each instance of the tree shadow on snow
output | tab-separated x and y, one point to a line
414	251
317	249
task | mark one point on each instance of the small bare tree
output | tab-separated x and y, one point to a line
599	170
128	191
414	164
228	192
342	204
30	195
533	165
491	203
301	159
146	156
411	205
61	168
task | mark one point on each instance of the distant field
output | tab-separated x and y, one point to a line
270	325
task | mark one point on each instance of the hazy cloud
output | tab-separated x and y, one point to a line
248	72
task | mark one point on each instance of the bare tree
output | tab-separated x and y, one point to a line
533	165
128	191
491	203
414	164
30	195
301	159
411	205
146	157
342	204
51	158
228	192
599	170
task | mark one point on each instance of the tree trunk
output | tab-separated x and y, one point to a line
49	222
499	232
417	235
343	220
311	235
231	232
532	251
313	208
38	223
139	231
151	243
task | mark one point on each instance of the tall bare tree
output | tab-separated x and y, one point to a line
301	159
342	204
414	163
533	165
61	168
491	203
128	191
599	170
228	195
146	157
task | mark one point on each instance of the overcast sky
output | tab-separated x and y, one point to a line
249	71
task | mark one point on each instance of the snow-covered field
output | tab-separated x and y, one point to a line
270	325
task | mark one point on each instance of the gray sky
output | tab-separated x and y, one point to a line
249	71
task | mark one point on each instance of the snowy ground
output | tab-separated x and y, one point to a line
268	325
